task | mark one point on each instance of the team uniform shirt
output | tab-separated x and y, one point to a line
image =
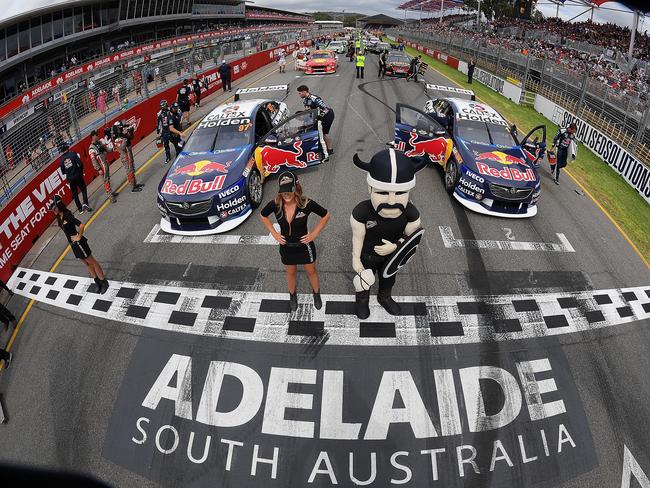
314	101
196	86
565	142
69	224
294	230
184	98
96	151
165	121
378	227
72	166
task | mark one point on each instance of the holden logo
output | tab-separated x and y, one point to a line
186	205
513	190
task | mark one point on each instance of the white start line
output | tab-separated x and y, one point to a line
452	242
265	317
158	236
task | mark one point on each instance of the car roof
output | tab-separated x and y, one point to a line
245	108
464	106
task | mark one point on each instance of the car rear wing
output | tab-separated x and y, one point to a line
261	89
449	89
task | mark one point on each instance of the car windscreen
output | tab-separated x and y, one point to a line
484	133
398	59
320	56
212	137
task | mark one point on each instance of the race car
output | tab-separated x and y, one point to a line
339	47
301	56
217	180
322	61
379	47
397	64
486	168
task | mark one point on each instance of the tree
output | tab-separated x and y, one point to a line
492	8
321	16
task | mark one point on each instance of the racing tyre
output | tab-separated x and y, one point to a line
254	188
451	175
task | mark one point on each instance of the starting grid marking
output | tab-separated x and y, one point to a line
157	236
450	241
256	316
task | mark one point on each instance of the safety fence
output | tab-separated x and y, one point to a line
625	117
25	218
90	102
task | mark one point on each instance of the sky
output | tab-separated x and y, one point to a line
11	8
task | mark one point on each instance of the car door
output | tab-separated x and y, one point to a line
418	134
534	144
293	144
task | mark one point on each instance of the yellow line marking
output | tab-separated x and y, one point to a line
593	199
97	212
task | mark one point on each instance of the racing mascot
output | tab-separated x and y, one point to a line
386	228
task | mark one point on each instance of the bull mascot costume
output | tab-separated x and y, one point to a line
386	228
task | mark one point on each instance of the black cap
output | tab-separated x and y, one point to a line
54	202
287	181
63	147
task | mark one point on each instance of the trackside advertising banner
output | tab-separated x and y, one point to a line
25	217
499	85
635	172
221	412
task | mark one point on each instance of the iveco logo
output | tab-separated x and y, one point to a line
186	205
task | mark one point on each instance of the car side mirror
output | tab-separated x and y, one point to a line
271	141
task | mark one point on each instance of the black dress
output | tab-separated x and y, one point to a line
295	252
69	224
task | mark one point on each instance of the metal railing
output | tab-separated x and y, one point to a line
32	144
623	117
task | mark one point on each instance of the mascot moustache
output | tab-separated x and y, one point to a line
386	228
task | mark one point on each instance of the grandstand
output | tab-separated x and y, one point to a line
66	71
46	39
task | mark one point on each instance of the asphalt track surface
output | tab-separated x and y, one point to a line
77	386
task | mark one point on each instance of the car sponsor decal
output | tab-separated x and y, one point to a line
435	148
450	89
201	167
506	173
208	124
470	185
481	113
259	89
501	158
193	187
273	158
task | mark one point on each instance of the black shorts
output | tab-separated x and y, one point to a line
292	254
81	249
328	119
184	106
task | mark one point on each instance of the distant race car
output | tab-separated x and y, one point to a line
322	61
397	64
339	47
216	181
486	168
379	47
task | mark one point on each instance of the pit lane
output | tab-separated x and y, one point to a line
76	390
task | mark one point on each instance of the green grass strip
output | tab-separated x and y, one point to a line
630	211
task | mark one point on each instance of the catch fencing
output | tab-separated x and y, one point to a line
89	103
624	117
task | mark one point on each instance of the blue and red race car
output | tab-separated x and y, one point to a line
486	168
216	181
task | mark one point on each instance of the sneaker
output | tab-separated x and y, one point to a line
8	361
87	208
556	182
136	189
81	210
113	199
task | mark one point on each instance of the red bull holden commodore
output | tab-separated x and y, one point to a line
486	168
216	181
322	61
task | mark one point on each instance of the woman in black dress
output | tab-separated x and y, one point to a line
291	209
74	230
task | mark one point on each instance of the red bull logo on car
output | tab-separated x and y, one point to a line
506	173
193	187
201	167
501	158
434	148
274	158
